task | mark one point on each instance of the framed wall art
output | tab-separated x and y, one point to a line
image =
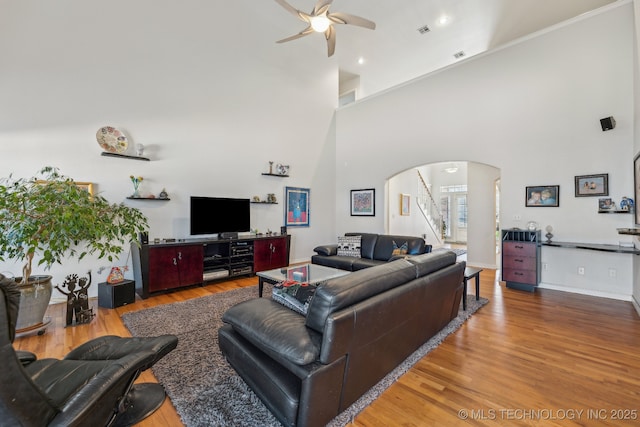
297	203
543	196
636	187
405	203
87	186
363	202
592	185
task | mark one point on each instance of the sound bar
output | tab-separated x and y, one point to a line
229	235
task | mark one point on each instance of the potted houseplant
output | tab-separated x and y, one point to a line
49	217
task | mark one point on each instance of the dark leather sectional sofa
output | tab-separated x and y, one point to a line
358	328
375	249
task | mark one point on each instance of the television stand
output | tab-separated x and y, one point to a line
158	267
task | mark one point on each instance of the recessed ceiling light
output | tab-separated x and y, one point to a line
361	60
444	19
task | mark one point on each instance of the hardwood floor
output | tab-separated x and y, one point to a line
545	358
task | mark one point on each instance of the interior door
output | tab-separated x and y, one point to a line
459	223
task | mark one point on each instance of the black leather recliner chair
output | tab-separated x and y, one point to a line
92	386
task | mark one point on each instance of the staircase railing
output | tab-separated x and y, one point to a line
429	208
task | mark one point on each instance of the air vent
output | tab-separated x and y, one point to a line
424	29
458	55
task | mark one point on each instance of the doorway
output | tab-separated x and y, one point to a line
465	195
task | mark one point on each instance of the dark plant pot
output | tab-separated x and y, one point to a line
34	300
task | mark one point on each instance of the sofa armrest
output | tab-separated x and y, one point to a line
327	250
274	329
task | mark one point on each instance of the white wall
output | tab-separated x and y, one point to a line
531	109
636	140
481	202
212	99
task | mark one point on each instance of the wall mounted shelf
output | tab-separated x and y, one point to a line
630	231
157	199
594	247
264	203
276	174
614	211
124	156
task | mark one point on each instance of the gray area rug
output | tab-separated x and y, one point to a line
205	390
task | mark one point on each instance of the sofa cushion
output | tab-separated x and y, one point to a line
340	262
349	246
347	290
428	263
368	243
294	295
361	263
384	246
274	329
400	248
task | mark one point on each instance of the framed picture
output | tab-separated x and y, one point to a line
592	185
405	204
87	186
606	204
363	202
296	207
542	196
636	187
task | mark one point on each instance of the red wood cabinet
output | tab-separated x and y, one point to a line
174	266
160	267
521	259
270	253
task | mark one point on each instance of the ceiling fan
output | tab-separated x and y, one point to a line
320	20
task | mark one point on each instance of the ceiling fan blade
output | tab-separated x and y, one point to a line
345	18
321	7
300	15
302	33
330	35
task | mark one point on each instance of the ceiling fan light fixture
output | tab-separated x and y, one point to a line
320	23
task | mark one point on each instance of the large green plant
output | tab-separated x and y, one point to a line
48	215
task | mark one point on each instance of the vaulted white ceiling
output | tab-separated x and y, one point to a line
396	51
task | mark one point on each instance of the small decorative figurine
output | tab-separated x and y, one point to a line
77	299
626	204
163	194
549	235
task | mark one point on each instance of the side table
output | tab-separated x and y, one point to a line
470	273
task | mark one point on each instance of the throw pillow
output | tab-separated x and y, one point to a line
294	295
349	246
400	250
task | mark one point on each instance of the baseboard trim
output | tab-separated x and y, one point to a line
590	292
635	303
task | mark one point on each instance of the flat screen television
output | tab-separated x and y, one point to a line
215	215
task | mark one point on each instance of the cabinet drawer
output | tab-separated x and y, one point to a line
520	276
519	249
519	263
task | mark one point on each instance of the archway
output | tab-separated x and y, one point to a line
464	192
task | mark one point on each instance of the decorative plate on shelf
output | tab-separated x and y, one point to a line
112	140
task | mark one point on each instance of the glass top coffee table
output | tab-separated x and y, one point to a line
305	273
